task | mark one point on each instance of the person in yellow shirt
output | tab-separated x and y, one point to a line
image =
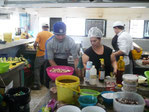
39	44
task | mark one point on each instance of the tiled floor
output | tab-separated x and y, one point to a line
39	98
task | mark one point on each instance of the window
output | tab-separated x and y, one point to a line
99	23
75	26
146	29
137	28
53	21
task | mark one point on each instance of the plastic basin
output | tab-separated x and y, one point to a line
147	76
69	108
106	99
4	67
89	92
93	109
53	75
119	107
85	101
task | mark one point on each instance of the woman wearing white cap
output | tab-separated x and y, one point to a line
98	51
123	44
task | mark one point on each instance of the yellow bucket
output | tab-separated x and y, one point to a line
136	55
68	88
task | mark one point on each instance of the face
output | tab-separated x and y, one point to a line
95	42
116	30
60	37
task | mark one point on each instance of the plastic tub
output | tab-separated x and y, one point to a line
89	92
129	88
85	101
4	67
119	107
130	79
53	75
147	76
69	108
93	109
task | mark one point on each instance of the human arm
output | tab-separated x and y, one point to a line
85	59
114	64
52	62
36	41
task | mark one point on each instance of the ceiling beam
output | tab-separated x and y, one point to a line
63	5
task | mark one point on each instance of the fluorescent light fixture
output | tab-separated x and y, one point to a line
138	7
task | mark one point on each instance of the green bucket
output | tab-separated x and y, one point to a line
89	92
146	73
4	67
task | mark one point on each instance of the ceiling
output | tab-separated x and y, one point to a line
74	3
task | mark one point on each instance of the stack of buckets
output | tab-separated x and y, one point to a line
68	92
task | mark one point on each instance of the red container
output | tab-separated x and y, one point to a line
54	75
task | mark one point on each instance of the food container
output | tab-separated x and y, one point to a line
119	107
54	75
93	109
130	79
4	67
90	92
85	101
141	79
129	88
69	108
107	97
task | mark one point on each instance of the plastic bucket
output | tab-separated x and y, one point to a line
69	108
147	76
68	88
136	55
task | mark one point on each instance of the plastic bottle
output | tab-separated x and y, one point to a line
102	70
87	72
93	75
120	70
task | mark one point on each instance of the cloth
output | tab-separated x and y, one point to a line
39	61
95	59
41	39
60	49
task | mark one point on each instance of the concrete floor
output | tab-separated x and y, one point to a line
39	98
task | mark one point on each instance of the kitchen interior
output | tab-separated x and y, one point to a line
23	19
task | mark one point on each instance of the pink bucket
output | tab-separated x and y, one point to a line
54	75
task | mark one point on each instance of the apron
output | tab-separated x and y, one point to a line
116	48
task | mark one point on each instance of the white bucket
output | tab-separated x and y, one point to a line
69	108
93	109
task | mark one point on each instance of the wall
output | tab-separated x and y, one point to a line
110	14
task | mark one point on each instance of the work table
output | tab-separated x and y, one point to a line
16	43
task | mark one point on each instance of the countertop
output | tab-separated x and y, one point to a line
16	43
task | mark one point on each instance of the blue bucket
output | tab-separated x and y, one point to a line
85	101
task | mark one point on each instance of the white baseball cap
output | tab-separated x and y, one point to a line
45	24
95	32
118	23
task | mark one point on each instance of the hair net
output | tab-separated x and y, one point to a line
95	32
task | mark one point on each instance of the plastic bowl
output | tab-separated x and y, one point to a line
147	76
105	99
4	67
119	107
69	108
93	109
90	92
53	75
85	101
